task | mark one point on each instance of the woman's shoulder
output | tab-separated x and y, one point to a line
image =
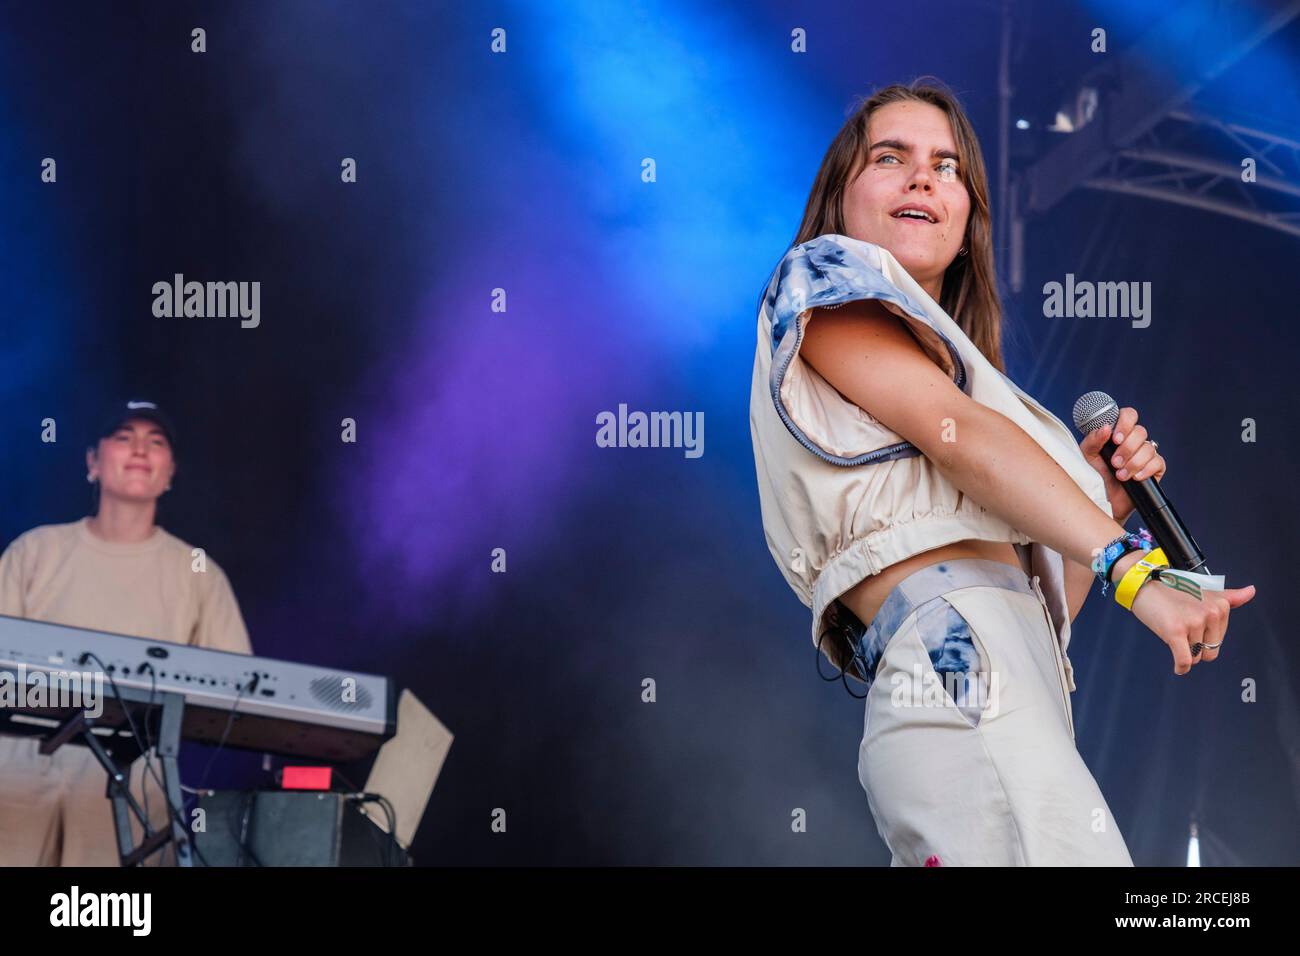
831	269
46	536
832	257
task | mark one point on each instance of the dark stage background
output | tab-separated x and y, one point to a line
522	171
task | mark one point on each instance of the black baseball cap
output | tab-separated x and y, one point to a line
118	414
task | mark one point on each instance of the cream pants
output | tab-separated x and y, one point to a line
1000	782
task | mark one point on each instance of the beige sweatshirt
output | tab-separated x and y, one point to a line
62	573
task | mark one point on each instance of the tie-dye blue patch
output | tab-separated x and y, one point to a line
946	636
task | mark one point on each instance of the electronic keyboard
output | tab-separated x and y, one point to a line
251	703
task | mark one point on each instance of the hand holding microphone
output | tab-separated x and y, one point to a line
1191	621
1136	458
1097	410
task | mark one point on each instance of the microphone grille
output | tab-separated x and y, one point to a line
1094	410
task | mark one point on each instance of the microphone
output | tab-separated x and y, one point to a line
1096	410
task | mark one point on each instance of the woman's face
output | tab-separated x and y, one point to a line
912	163
134	463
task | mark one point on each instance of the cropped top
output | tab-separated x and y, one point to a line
842	496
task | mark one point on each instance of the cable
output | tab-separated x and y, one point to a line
153	689
245	820
856	658
230	722
390	814
386	847
176	815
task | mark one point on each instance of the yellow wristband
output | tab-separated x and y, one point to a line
1127	589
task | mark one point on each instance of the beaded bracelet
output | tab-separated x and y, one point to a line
1139	540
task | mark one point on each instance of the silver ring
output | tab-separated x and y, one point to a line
1154	444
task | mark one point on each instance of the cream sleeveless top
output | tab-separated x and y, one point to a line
842	496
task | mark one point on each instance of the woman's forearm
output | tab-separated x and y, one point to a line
1080	578
995	462
1078	585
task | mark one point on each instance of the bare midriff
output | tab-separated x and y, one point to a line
865	597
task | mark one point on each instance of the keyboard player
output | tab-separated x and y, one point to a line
119	571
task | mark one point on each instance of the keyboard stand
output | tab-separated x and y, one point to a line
161	714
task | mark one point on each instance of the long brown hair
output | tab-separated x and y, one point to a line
969	293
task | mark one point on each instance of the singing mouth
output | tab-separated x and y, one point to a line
915	212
